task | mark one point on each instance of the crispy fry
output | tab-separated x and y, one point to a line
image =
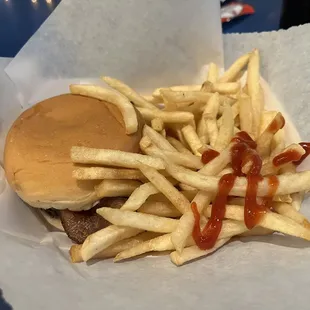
164	186
186	160
157	124
145	142
124	105
160	208
158	139
152	99
116	188
246	114
175	117
192	139
277	143
288	184
112	250
233	71
269	220
178	145
194	252
235	112
226	88
138	220
202	131
226	130
264	140
139	196
132	95
213	72
85	155
100	173
270	168
157	92
289	211
297	199
102	239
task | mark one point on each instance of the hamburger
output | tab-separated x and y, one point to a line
37	159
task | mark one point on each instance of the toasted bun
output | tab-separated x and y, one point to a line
37	151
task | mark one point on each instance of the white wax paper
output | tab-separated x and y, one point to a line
253	273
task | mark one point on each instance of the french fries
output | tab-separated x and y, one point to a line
116	188
84	155
177	197
138	220
132	95
124	105
100	173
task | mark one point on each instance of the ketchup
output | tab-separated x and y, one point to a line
286	157
206	239
306	147
208	155
243	152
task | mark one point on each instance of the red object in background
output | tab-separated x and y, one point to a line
235	9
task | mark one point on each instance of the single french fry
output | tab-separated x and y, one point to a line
145	142
85	155
160	208
153	100
194	252
173	117
269	220
185	187
178	145
288	183
100	173
192	139
112	250
190	97
158	244
255	91
157	92
277	161
257	231
289	211
226	88
297	199
277	143
186	160
226	130
164	186
264	140
266	119
102	239
213	72
233	71
246	114
158	139
116	188
124	105
157	124
139	196
138	220
131	94
235	112
202	131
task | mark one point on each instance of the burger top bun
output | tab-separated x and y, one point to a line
37	151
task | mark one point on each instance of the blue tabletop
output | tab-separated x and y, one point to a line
19	20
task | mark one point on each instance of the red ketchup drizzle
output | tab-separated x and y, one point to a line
206	238
242	153
286	157
208	155
306	147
